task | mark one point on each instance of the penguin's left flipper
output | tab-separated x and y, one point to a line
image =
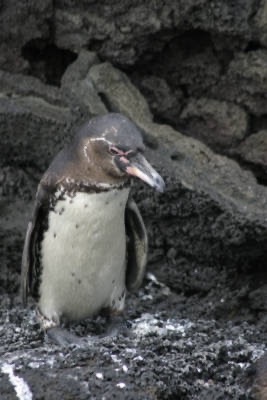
29	266
137	246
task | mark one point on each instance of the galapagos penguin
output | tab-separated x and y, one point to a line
86	242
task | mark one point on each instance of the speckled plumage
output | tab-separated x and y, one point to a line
89	279
76	259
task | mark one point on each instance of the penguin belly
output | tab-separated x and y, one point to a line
83	256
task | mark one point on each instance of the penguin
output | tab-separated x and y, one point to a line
86	243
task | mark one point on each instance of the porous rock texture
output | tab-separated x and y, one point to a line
198	324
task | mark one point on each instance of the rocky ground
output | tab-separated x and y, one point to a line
191	74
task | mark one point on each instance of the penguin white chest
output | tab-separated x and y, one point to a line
83	256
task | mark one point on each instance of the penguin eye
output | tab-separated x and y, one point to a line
114	151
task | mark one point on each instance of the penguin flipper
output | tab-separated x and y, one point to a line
29	262
137	246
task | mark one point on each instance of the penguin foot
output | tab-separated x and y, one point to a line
118	325
65	338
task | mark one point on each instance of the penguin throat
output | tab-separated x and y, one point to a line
70	186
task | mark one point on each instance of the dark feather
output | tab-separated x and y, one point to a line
30	257
137	246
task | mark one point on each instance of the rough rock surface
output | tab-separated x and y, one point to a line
249	71
164	104
199	322
201	49
253	151
217	123
31	119
21	22
124	41
166	357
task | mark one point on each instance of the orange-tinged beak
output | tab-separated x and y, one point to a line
138	166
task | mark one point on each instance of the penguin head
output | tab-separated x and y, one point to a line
113	145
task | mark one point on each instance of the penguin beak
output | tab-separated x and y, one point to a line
137	165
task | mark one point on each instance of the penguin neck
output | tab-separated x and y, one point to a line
92	186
